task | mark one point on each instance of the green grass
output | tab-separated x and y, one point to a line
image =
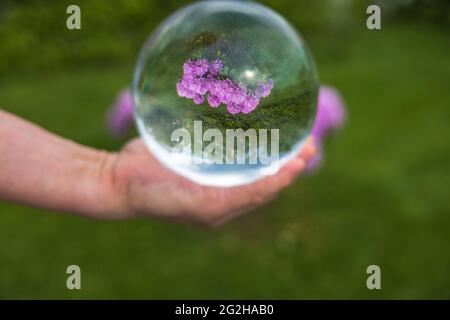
381	198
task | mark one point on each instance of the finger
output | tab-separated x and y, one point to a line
273	184
290	170
135	145
246	197
309	150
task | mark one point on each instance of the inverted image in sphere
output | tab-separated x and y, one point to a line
224	92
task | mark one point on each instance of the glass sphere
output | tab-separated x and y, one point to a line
224	92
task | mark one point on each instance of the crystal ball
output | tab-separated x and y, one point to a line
224	92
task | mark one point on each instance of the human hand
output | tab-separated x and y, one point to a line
145	188
66	176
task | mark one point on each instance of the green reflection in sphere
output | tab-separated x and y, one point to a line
255	47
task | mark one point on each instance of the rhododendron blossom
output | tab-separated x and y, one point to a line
201	77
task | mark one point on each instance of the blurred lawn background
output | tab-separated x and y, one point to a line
381	198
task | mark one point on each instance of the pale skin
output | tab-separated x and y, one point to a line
40	169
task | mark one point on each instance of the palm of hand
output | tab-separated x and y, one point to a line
149	189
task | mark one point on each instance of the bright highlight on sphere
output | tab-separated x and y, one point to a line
224	92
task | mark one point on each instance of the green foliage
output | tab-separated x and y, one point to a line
34	36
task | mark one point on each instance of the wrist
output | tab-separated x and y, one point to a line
107	198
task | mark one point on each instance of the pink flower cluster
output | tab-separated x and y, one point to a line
201	77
